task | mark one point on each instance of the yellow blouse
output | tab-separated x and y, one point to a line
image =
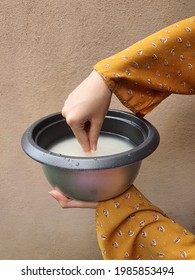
141	76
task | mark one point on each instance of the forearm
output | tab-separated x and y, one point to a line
147	72
130	227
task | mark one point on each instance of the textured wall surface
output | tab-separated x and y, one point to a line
46	49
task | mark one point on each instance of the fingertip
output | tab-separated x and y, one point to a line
54	194
51	192
94	147
57	195
86	148
94	140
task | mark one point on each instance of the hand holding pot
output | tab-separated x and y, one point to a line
85	110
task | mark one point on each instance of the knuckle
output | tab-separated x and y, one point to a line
71	119
63	112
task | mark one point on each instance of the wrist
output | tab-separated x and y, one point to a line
100	83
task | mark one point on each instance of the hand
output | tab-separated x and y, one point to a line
66	202
85	110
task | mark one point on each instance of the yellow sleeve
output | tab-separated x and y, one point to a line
147	72
129	227
141	76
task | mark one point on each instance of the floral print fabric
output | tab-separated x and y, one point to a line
141	76
149	71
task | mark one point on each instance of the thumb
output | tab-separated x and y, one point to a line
93	134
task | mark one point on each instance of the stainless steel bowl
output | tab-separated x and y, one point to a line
91	178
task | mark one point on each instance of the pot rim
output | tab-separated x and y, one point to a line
149	145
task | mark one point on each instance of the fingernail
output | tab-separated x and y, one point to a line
52	192
94	148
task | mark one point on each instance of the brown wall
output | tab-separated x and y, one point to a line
46	48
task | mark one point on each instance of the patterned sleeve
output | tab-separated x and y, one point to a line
147	72
141	76
129	227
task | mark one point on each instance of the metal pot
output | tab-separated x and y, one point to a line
91	178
